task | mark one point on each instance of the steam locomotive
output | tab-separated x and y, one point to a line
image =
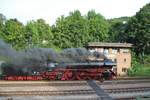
67	71
46	64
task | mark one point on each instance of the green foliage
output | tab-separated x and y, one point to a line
97	27
116	31
139	69
147	59
70	31
5	59
38	34
135	62
76	30
2	21
14	33
138	31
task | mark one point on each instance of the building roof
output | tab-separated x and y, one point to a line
101	44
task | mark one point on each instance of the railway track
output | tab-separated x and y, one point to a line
74	92
127	93
132	78
67	83
88	92
124	90
48	93
43	84
125	82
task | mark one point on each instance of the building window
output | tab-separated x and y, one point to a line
125	50
124	69
101	50
110	50
115	60
125	59
105	51
114	51
118	50
92	50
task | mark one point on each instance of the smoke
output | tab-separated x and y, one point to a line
38	58
6	52
28	57
74	55
25	61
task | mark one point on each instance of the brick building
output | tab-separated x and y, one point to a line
117	52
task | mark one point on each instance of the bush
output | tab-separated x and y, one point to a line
147	59
138	68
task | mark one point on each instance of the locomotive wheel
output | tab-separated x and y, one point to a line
83	76
78	77
95	77
73	77
68	75
52	78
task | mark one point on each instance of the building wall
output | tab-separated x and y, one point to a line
122	56
123	62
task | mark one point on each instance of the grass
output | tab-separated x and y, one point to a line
143	71
140	70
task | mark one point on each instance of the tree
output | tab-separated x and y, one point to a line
117	29
138	31
2	22
14	33
70	31
98	27
76	30
39	34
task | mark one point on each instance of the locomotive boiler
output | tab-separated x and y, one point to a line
67	71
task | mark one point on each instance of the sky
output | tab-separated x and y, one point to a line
50	10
